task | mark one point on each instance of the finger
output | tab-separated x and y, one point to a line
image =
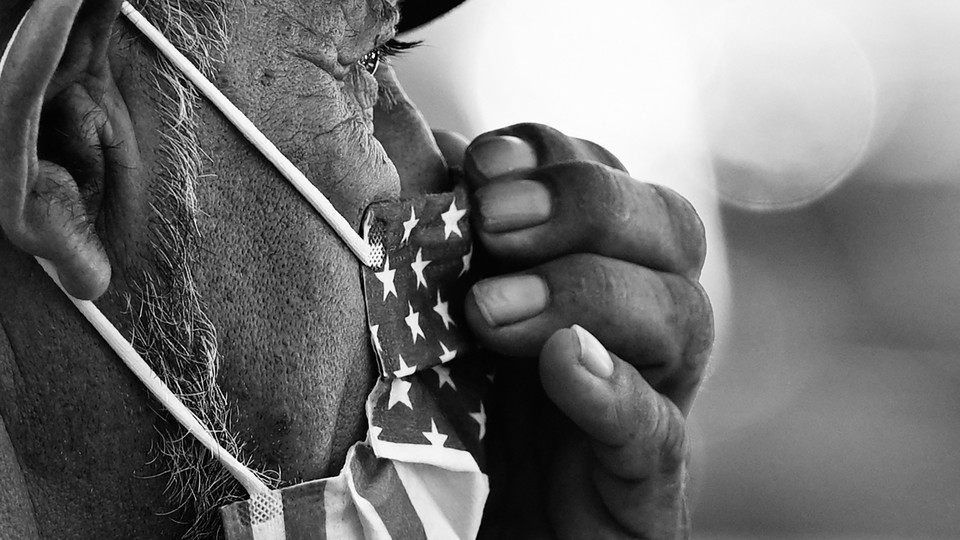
512	151
452	145
407	139
637	431
637	436
661	323
566	208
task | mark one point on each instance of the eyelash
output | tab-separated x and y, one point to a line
394	47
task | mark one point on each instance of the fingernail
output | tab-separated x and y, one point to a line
511	205
502	154
593	355
509	300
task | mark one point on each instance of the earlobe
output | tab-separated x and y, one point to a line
56	228
56	138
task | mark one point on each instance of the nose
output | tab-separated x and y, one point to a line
407	139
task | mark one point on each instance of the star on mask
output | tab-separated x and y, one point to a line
447	355
386	277
405	370
400	393
445	378
418	267
408	226
413	321
450	219
481	418
467	259
443	309
434	436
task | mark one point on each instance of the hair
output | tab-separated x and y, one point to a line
170	327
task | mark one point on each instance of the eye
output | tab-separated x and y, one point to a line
371	61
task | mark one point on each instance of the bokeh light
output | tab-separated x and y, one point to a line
789	105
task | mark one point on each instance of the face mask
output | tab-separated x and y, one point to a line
420	472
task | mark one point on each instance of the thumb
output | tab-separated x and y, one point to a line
636	431
637	435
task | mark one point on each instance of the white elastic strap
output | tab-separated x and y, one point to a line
316	199
155	386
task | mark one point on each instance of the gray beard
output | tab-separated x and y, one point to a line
170	327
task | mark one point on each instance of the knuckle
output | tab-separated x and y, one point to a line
584	178
692	319
582	278
695	335
671	434
588	289
703	321
536	129
562	147
687	228
537	134
656	428
551	145
600	279
700	331
598	153
606	200
594	195
674	306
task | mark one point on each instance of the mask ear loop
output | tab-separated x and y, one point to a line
340	225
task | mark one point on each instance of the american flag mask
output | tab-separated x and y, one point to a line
420	473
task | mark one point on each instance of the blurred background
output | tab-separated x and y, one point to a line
820	141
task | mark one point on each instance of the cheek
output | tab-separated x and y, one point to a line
291	323
284	292
325	127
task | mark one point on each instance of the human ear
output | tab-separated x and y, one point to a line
63	129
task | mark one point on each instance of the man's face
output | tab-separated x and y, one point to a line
280	290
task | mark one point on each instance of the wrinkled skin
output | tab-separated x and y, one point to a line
78	432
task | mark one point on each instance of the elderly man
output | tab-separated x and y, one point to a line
144	198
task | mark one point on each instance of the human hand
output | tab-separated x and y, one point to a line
591	443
